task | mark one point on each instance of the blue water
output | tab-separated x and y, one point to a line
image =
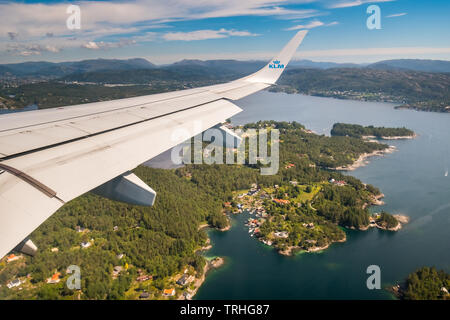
412	178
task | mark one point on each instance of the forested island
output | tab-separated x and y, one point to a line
133	252
358	131
424	284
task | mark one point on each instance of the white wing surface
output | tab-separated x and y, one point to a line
49	157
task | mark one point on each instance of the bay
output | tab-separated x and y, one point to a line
413	179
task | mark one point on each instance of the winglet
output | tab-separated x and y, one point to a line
273	70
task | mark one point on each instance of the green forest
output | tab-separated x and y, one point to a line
426	283
164	239
358	131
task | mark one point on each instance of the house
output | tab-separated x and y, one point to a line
14	283
85	245
115	228
294	183
309	225
186	295
117	270
54	278
169	292
289	165
12	258
120	256
281	234
338	182
227	204
185	279
281	201
144	295
143	278
81	229
54	249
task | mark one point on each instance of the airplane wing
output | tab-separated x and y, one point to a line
49	157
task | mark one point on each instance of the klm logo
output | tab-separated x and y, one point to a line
276	65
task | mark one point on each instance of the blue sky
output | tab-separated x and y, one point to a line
171	30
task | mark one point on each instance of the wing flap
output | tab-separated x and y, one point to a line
22	209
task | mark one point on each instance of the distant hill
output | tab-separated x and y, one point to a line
322	65
228	68
49	69
426	91
412	64
4	70
234	66
185	70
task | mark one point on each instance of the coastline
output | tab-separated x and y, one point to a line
213	264
362	160
391	137
292	250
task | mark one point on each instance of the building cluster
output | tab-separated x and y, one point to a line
339	183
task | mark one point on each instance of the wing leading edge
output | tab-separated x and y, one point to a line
49	157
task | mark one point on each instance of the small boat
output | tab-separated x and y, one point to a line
446	173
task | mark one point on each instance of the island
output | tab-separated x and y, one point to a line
426	283
358	131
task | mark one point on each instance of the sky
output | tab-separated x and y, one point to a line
165	31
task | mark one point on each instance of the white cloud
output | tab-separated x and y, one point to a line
346	4
30	49
396	15
91	45
104	22
36	19
108	45
205	34
312	24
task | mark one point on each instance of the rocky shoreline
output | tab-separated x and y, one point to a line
215	263
290	251
391	137
361	161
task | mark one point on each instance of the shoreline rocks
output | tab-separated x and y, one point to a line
362	160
